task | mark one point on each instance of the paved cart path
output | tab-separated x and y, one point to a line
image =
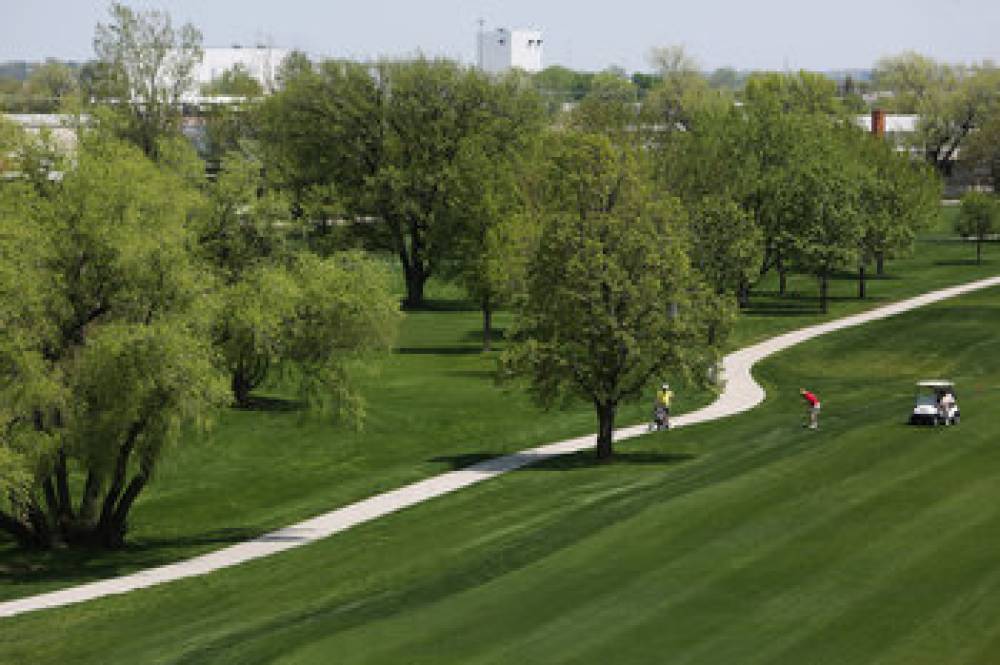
741	393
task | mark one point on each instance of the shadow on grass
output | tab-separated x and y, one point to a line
781	311
434	305
80	564
960	262
272	404
439	350
462	461
499	335
587	459
496	462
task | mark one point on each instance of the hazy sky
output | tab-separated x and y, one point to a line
748	34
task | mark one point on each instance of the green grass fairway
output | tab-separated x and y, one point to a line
433	406
747	540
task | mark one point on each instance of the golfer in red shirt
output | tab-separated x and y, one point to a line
812	407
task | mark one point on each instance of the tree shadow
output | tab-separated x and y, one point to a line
499	335
81	564
441	305
272	404
789	305
493	462
781	311
586	459
224	536
960	262
490	375
438	350
464	460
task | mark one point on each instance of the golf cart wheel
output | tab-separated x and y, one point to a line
954	421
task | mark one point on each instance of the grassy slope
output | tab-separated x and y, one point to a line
433	407
748	540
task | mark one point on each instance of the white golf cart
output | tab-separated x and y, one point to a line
935	404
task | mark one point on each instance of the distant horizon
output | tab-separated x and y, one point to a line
828	72
771	35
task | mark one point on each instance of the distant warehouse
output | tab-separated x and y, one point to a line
502	49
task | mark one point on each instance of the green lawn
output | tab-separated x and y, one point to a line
748	540
433	406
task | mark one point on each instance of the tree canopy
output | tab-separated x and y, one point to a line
612	302
146	65
105	354
978	218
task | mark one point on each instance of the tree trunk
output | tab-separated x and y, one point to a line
861	281
823	289
782	276
880	263
91	490
487	325
606	426
65	516
25	537
118	475
111	533
743	295
241	388
979	251
415	280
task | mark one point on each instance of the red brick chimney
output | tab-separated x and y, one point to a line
878	122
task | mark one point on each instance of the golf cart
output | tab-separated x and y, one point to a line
935	404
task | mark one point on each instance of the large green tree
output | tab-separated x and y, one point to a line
820	199
271	298
429	109
610	107
104	347
612	300
783	113
899	196
492	175
978	218
679	94
144	65
727	246
380	145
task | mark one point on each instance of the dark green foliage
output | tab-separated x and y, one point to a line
104	347
612	302
979	218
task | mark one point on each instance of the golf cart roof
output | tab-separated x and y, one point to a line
936	383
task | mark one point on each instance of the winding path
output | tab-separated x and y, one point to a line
741	393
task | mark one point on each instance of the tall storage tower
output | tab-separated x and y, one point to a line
502	49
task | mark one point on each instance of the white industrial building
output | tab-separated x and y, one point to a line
501	49
261	62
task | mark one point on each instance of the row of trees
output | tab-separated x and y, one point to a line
460	176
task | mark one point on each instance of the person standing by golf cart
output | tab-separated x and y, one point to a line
946	405
661	407
812	407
